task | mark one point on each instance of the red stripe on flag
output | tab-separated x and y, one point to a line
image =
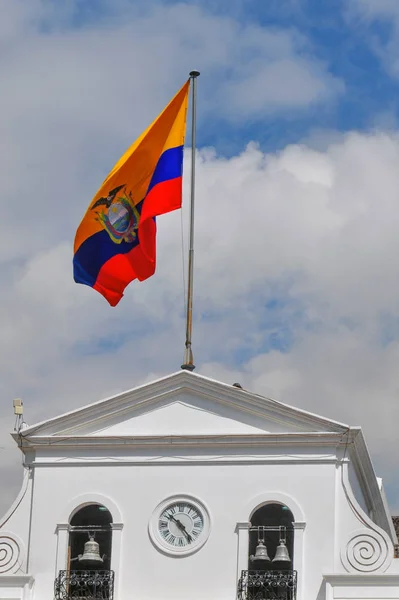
121	269
162	198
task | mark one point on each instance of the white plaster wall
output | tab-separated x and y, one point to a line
186	416
228	490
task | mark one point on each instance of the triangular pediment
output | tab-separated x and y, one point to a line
184	404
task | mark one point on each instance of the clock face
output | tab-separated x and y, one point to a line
180	525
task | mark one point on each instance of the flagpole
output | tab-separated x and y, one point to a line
188	364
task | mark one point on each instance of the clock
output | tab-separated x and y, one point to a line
180	525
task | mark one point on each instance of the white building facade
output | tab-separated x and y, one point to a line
177	483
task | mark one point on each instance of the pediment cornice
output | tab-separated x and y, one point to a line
186	441
80	421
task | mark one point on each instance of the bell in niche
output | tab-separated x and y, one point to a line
91	552
282	551
261	550
260	553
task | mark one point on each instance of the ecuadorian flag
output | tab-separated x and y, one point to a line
115	242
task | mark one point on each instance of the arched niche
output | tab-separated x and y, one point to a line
271	524
90	522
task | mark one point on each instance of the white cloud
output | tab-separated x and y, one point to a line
314	231
71	75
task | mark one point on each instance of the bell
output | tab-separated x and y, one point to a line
91	552
281	553
260	553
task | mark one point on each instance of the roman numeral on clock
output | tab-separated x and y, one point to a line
171	538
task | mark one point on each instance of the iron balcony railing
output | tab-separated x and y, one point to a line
84	585
267	585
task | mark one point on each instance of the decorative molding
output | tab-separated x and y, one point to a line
299	525
16	581
19	498
92	498
361	516
366	551
368	481
116	526
274	496
12	553
242	531
62	527
242	525
359	579
257	440
157	461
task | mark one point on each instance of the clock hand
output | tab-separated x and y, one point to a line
180	526
184	530
172	518
190	539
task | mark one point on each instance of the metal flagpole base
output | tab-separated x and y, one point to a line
188	360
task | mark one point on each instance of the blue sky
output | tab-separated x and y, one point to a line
343	41
296	286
